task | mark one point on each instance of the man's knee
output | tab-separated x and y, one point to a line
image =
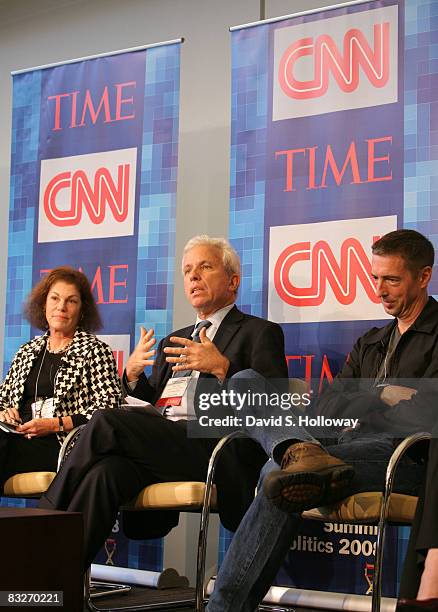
115	472
247	380
247	374
104	417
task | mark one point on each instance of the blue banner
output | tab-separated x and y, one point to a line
93	186
333	145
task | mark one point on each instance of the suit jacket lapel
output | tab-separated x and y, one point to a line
227	329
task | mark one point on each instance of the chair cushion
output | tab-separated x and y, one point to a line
176	495
28	483
365	507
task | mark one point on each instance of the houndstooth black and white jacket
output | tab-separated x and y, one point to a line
86	380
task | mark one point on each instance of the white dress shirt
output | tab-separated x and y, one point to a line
186	409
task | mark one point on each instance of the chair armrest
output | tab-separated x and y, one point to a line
400	451
67	445
384	511
205	514
214	458
223	442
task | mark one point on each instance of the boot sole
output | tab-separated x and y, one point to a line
298	491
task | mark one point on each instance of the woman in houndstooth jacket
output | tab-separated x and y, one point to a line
56	381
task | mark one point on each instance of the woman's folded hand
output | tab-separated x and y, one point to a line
36	428
10	415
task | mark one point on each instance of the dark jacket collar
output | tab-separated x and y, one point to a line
226	330
233	316
426	323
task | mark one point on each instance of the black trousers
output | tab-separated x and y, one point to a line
424	532
118	453
18	454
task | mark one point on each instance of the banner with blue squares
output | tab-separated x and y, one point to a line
333	144
93	185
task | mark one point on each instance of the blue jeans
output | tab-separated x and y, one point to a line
265	534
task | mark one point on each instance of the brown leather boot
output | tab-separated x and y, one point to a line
309	477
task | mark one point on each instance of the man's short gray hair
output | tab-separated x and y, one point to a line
230	258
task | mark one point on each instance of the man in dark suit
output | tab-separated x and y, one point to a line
122	451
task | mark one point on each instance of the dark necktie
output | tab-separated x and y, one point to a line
195	338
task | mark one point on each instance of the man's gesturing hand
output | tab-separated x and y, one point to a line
202	356
141	355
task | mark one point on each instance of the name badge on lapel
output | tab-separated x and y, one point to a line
43	408
174	391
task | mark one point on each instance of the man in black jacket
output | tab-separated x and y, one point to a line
121	451
387	384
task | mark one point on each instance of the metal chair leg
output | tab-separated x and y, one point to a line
384	511
205	516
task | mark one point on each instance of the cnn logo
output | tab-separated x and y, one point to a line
336	64
87	196
325	274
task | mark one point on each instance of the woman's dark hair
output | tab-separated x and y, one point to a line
34	309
